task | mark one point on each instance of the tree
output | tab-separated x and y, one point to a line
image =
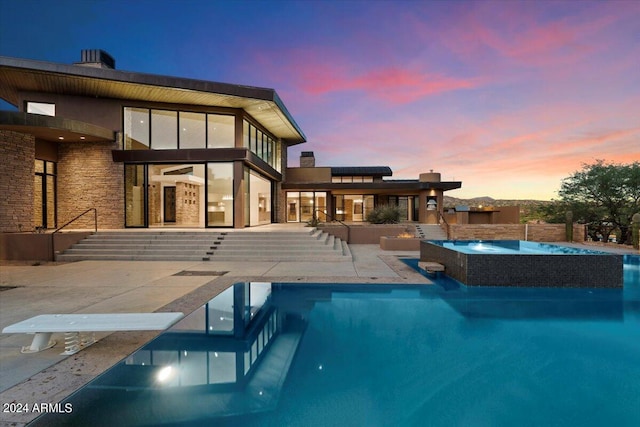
603	195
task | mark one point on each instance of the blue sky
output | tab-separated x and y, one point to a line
507	96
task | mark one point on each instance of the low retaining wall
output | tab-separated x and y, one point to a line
36	246
366	234
531	232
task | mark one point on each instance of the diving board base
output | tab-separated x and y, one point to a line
41	341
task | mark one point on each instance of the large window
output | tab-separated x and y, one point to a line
220	194
221	131
165	129
193	130
262	145
259	199
176	195
408	206
353	208
302	206
136	128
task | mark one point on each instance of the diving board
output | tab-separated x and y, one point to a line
430	267
74	326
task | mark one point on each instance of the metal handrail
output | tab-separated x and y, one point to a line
446	224
333	219
95	228
95	220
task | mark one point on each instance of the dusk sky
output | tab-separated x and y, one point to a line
508	97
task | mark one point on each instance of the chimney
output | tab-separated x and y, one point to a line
307	160
96	58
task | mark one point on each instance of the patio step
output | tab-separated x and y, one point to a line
236	245
430	232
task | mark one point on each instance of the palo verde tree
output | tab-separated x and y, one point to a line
603	195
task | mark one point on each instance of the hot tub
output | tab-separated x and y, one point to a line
520	263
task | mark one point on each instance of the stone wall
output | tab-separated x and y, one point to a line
531	232
17	152
187	204
88	178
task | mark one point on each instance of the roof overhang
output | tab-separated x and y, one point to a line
23	75
54	128
379	187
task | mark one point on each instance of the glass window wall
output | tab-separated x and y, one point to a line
259	199
245	192
220	194
263	145
221	131
136	128
408	207
245	134
164	130
175	195
193	130
293	206
44	194
353	208
301	206
306	205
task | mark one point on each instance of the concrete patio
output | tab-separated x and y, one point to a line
138	286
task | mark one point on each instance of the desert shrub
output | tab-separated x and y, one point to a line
385	214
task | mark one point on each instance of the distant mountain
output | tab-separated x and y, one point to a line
475	201
490	201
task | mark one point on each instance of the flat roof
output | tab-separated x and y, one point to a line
17	75
380	186
361	171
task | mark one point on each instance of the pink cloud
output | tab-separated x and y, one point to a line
319	72
523	33
394	85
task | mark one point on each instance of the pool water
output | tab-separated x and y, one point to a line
384	355
512	247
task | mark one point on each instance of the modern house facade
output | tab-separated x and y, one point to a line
155	151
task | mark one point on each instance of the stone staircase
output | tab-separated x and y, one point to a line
308	244
430	232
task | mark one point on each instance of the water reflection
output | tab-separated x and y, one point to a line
231	362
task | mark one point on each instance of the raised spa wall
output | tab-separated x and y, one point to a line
527	270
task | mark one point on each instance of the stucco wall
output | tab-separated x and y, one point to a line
366	234
17	152
319	174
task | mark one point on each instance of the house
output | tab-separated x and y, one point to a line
148	151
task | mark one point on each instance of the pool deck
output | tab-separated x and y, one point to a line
140	286
137	286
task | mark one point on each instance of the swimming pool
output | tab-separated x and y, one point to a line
278	354
522	263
